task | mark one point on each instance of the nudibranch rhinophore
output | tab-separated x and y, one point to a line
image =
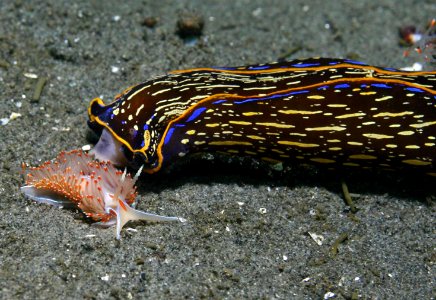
101	191
338	113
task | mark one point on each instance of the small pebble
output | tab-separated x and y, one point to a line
190	25
150	22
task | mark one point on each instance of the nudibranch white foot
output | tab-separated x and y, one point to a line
101	191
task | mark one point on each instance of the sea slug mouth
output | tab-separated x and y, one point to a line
109	149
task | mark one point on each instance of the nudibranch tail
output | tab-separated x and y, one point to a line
101	191
125	213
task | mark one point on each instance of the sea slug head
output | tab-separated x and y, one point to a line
128	129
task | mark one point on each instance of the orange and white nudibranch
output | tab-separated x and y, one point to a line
101	191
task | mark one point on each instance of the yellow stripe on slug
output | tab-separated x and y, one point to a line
240	122
416	162
377	136
362	156
230	143
291	143
300	112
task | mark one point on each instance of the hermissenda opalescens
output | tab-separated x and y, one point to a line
101	191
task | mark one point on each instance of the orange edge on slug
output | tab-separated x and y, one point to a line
243	71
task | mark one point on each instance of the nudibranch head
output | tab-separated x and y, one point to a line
101	191
129	134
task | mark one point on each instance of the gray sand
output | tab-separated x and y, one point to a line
228	248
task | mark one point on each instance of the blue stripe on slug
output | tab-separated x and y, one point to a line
196	113
259	68
271	97
296	93
342	86
355	62
381	85
224	68
168	135
416	90
219	101
305	65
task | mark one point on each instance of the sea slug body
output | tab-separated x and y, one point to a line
337	113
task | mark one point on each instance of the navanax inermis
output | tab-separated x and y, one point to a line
334	112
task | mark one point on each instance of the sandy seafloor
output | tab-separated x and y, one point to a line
228	248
